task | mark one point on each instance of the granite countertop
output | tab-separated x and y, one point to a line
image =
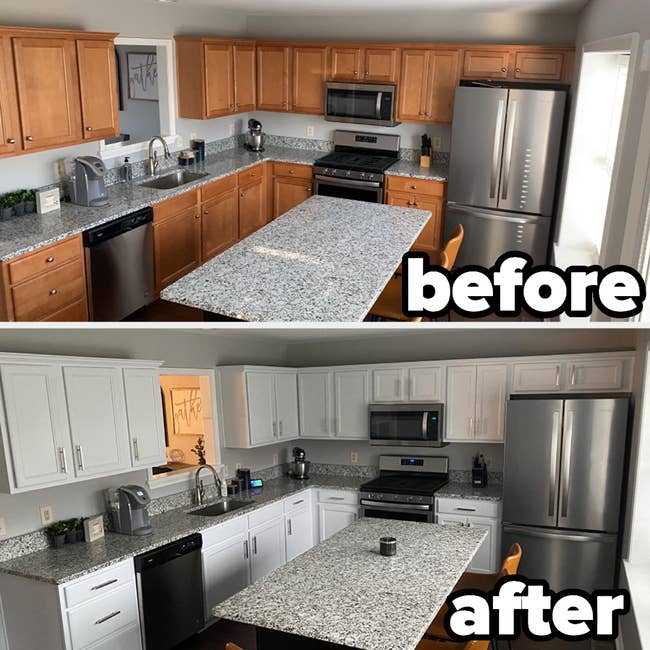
327	259
342	591
411	168
19	235
75	560
468	491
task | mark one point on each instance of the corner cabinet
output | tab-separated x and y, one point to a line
70	419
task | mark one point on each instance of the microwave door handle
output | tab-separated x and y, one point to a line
425	418
380	94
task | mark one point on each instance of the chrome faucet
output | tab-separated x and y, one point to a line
199	490
152	165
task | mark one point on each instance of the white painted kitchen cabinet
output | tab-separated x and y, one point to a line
476	402
97	413
267	547
420	383
37	425
299	524
314	395
597	375
351	397
337	509
425	384
388	384
537	377
144	414
260	393
286	401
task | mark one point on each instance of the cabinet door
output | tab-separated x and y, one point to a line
605	374
177	246
288	193
460	410
220	224
485	560
537	377
48	92
219	85
412	103
245	78
251	208
272	78
260	393
98	425
430	239
351	397
225	570
37	424
98	86
267	548
380	64
345	63
286	400
309	73
333	518
486	64
300	532
388	385
441	88
425	384
144	411
491	396
10	140
539	66
314	401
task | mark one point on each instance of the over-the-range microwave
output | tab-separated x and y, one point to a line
360	103
407	425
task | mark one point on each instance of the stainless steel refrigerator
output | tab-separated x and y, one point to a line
563	480
505	152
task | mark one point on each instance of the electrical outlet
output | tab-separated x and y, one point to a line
232	129
436	143
237	466
487	459
3	528
354	458
59	169
46	515
179	140
276	459
310	131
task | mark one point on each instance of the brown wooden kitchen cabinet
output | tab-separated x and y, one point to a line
10	137
428	83
539	65
252	212
292	184
273	70
48	284
219	79
309	71
245	76
364	63
219	223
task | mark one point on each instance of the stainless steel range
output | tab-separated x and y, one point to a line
405	488
355	169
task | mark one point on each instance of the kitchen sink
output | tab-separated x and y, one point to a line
220	508
170	181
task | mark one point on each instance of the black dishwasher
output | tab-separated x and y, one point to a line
170	593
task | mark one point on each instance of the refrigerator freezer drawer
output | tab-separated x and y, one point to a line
566	559
489	234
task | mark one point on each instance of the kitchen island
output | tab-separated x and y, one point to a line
343	593
327	259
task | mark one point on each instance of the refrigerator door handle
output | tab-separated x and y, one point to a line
510	138
554	534
498	130
552	475
566	463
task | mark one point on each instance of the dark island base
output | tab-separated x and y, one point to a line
273	640
209	316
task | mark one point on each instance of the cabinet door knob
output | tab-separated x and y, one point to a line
504	69
414	187
356	73
197	215
53	292
11	141
291	171
242	195
517	69
89	128
29	138
206	212
49	260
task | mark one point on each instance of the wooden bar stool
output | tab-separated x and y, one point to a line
429	644
232	646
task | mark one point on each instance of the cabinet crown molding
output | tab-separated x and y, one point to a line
47	32
40	359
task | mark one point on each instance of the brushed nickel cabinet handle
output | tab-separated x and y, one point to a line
80	458
64	464
107	618
136	450
104	584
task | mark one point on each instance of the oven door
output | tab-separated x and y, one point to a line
401	511
406	425
343	188
360	103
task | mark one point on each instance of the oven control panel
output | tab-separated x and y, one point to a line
333	172
398	498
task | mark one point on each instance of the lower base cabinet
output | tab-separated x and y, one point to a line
299	525
337	509
267	546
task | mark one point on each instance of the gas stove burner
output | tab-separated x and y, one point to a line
356	162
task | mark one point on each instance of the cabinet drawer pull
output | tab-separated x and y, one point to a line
466	509
337	498
64	464
99	621
89	128
49	260
289	526
53	292
104	584
11	141
29	138
295	503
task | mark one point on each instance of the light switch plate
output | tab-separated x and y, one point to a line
436	143
354	457
276	459
232	129
46	515
3	529
310	131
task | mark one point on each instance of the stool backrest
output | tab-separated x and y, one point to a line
453	245
477	645
511	562
232	646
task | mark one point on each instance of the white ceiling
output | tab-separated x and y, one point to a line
370	7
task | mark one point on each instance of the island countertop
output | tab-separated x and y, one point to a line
327	259
344	592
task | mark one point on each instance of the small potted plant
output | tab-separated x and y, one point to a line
75	531
6	206
57	533
199	450
29	200
19	205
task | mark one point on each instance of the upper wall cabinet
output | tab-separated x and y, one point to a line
67	419
243	55
370	63
60	90
421	383
309	69
273	70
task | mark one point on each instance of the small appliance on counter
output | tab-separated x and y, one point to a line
244	476
127	506
479	471
198	147
87	184
255	136
299	467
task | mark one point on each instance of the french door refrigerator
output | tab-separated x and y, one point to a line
503	168
563	482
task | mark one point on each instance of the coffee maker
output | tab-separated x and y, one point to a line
127	506
255	136
299	467
87	185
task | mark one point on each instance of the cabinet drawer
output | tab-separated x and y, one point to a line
43	260
338	496
228	529
48	293
77	312
162	211
265	514
98	583
250	175
468	507
297	171
101	617
218	187
415	185
297	501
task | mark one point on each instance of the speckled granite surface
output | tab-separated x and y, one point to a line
75	560
412	169
467	491
343	591
325	260
20	235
